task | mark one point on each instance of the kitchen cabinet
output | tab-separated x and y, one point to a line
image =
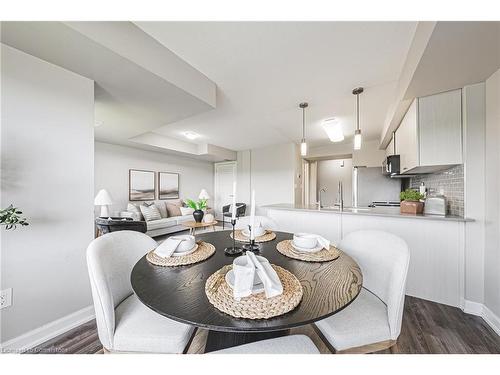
429	137
406	139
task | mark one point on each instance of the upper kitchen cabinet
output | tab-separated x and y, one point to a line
406	139
429	137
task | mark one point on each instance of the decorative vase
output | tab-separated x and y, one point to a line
411	207
208	218
198	215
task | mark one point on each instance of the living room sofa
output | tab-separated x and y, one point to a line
170	221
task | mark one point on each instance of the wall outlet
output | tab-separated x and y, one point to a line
5	298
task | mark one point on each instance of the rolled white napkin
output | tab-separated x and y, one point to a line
168	247
268	276
244	274
323	242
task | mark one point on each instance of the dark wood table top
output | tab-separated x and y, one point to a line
179	292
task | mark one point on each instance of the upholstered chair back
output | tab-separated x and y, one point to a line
266	222
110	259
384	259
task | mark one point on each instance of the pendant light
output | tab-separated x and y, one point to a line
357	133
303	144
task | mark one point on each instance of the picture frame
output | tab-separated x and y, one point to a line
168	185
141	185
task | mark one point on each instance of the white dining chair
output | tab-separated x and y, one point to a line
293	344
372	322
266	222
124	324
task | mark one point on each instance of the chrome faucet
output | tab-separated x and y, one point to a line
340	197
319	202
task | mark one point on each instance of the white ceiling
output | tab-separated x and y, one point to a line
264	69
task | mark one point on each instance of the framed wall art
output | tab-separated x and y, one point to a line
141	185
168	185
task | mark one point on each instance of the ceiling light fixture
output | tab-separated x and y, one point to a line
190	135
303	144
333	129
357	133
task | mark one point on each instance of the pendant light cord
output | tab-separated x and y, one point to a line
303	124
357	111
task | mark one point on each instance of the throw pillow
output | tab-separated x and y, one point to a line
173	207
134	210
162	207
150	212
186	211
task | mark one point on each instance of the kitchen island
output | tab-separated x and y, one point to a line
437	243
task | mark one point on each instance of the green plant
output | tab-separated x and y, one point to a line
11	219
200	205
410	195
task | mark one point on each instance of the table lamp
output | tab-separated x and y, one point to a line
203	194
103	199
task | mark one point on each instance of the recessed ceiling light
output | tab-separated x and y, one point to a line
190	135
333	129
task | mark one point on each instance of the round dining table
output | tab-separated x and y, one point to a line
179	292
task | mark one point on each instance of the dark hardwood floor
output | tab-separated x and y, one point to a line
428	328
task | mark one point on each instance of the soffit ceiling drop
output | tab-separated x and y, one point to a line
139	84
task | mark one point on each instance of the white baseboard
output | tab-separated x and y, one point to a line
492	320
484	312
48	331
473	308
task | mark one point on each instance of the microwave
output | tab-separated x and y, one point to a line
390	165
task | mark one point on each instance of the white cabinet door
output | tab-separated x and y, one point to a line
407	141
440	128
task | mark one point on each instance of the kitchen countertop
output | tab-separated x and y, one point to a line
376	211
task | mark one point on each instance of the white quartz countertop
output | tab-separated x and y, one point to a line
376	211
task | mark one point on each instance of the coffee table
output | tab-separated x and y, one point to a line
193	225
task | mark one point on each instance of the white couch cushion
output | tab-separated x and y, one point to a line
140	329
181	219
161	223
294	344
363	322
186	211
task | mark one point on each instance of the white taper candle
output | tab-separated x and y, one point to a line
252	216
233	216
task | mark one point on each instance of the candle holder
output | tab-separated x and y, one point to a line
233	250
251	245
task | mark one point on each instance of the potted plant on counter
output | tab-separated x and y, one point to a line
10	218
410	202
198	208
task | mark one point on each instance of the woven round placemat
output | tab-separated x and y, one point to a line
285	247
268	236
205	250
256	306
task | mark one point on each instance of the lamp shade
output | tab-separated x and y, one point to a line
203	194
103	198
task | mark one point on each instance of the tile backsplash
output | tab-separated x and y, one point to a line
450	181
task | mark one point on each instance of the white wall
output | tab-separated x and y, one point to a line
270	171
492	230
474	112
112	164
47	159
